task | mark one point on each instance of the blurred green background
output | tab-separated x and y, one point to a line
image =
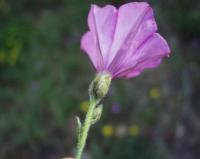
44	79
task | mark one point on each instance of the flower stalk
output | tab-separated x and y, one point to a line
97	90
85	128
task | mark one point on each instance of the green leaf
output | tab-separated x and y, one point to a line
79	127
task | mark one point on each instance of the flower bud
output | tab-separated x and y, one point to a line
100	85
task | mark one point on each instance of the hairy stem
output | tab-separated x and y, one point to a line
97	90
85	128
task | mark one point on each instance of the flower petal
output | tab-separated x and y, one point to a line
126	29
101	22
89	45
154	62
144	30
149	55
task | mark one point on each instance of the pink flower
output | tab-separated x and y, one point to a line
123	42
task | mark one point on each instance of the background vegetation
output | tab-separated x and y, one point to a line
44	78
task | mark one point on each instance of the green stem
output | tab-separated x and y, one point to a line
85	128
97	90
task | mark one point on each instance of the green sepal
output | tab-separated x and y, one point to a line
97	114
100	85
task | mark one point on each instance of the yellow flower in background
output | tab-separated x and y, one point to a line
84	106
2	56
10	56
107	130
14	53
154	93
133	130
